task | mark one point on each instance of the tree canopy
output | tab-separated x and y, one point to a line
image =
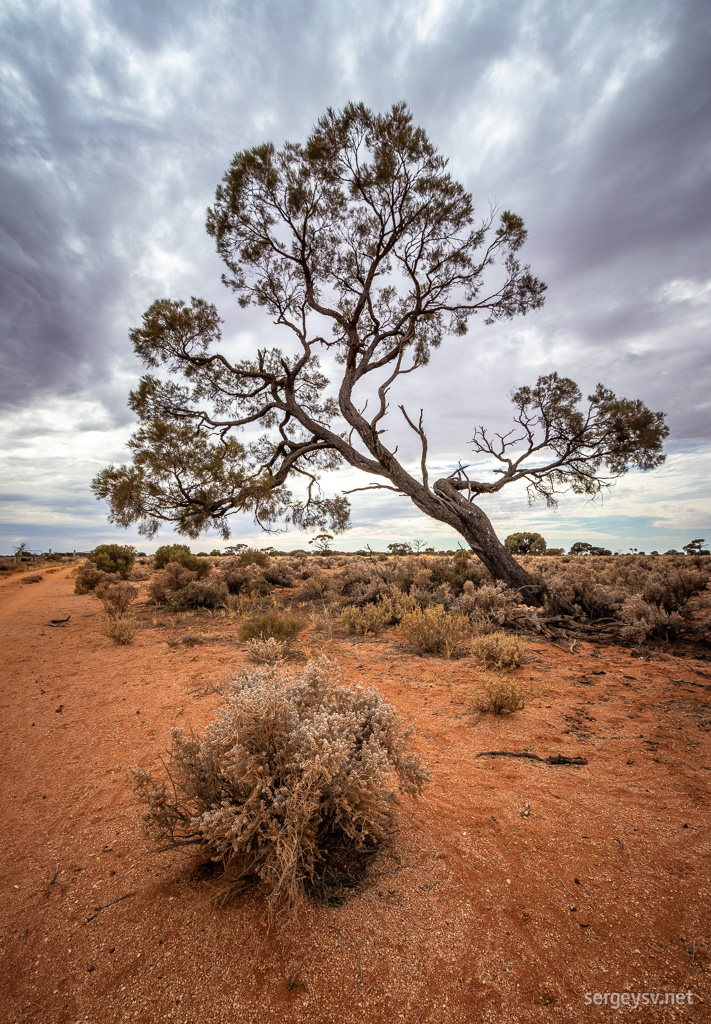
357	243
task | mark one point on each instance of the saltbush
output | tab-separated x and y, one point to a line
167	581
198	594
290	785
114	558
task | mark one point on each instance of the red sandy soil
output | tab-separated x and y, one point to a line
511	890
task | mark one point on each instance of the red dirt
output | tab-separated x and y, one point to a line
482	910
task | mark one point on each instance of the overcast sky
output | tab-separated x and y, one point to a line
592	120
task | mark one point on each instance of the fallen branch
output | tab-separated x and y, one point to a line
53	881
97	910
553	759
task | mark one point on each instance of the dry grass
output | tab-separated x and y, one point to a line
271	623
497	650
120	630
500	695
435	631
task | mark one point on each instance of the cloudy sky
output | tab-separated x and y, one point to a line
591	119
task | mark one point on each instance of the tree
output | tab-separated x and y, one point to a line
400	548
581	547
322	542
525	544
361	245
695	547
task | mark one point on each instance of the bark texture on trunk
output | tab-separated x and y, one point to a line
474	525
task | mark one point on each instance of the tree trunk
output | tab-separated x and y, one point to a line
474	525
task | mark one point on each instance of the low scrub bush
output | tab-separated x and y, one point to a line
642	619
88	578
290	785
497	650
266	651
180	554
167	581
245	579
365	621
499	694
200	595
120	630
114	558
271	623
433	630
116	597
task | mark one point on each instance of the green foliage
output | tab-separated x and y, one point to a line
114	558
181	554
290	785
400	548
581	547
525	544
696	547
322	542
252	556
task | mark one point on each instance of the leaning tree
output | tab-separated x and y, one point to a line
358	244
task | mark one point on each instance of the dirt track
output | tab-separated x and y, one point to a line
488	912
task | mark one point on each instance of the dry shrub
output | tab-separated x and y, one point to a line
433	630
167	581
642	619
497	650
116	598
365	621
266	650
317	587
245	579
89	578
290	784
271	623
200	595
501	695
120	630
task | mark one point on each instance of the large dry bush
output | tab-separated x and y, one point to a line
290	784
